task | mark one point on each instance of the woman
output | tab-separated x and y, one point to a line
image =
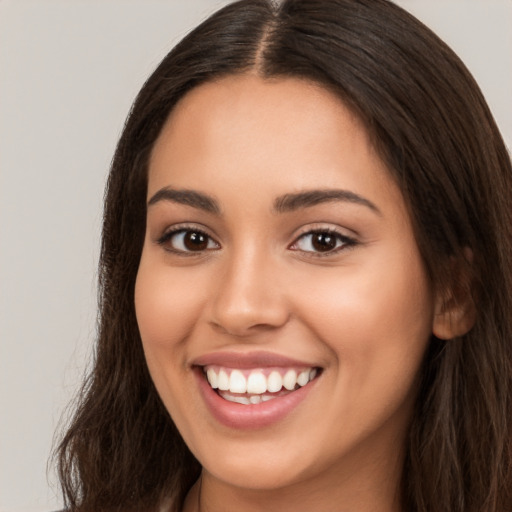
305	275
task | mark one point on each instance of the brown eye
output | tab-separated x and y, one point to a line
323	242
187	241
194	241
318	242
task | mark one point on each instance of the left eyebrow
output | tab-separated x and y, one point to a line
293	202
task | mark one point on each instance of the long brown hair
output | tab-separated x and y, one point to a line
429	122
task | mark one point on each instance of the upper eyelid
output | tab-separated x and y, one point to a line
330	231
320	227
185	226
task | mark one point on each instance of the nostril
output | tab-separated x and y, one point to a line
246	301
243	327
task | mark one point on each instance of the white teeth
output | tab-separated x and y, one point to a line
274	382
290	379
303	378
239	400
237	382
256	382
212	378
244	400
223	381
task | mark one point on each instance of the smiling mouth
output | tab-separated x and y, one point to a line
254	386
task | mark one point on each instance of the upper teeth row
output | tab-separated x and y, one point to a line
256	382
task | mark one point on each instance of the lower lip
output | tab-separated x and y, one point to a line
252	416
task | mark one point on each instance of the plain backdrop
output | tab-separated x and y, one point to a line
69	70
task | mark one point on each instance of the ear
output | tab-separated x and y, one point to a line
455	309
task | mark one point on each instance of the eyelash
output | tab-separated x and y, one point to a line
167	237
343	242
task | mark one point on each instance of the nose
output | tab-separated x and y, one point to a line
248	297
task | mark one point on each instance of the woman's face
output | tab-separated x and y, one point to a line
279	255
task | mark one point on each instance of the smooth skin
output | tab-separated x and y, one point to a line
246	276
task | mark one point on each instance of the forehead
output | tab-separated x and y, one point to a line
248	101
240	130
263	99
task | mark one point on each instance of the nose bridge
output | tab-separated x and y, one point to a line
248	297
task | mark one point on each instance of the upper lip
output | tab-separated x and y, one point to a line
257	359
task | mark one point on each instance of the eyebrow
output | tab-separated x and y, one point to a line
283	204
188	198
293	202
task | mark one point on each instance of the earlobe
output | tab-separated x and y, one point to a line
453	319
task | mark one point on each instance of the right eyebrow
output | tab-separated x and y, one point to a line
186	197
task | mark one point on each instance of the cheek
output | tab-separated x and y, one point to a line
370	305
376	320
166	305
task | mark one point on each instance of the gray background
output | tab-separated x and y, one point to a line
69	70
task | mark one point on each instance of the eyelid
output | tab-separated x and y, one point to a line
175	229
348	242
